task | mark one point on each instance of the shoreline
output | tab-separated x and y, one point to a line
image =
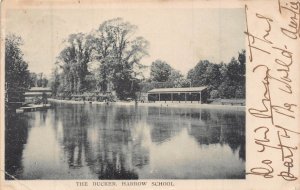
157	104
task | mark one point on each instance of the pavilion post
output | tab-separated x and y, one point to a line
159	97
200	97
185	97
172	97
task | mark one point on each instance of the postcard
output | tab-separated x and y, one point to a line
153	95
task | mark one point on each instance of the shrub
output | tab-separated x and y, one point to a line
214	94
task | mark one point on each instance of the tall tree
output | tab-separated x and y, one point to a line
75	57
17	76
119	54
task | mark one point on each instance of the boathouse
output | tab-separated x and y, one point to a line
179	95
37	92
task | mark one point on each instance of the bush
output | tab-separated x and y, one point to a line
214	94
240	92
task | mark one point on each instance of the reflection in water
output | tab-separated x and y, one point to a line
16	134
125	142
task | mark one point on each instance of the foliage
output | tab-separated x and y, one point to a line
73	60
38	80
55	82
108	59
222	80
214	94
162	75
16	69
149	85
177	79
160	71
198	75
119	53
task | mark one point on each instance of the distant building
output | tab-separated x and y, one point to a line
179	95
37	93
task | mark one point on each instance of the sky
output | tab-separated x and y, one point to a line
180	36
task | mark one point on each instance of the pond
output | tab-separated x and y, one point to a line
125	142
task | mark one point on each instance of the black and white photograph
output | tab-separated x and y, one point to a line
125	94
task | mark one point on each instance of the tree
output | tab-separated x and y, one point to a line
162	75
38	80
233	85
206	74
213	76
242	61
74	58
17	75
177	80
241	90
198	75
214	94
45	82
33	79
55	82
119	54
160	71
222	80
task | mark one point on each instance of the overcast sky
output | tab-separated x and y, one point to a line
181	37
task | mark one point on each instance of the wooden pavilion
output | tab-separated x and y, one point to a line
179	95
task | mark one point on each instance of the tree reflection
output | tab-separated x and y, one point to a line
16	134
120	142
112	156
74	123
206	126
224	128
109	151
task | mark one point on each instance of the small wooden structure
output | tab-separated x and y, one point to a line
37	92
30	108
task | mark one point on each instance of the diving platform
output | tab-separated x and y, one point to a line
33	107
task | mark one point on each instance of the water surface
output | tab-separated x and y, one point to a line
125	142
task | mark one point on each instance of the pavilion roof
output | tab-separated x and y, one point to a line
177	90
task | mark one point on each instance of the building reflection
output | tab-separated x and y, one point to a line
166	123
